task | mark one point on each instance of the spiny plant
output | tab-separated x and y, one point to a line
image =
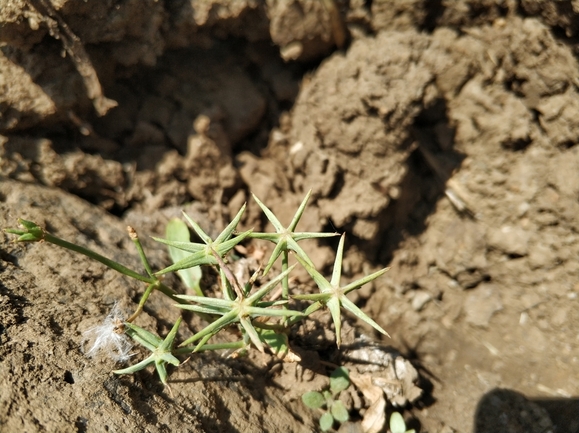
261	322
327	400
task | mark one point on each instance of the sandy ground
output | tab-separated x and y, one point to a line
440	136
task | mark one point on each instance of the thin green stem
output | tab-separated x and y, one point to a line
135	238
232	280
89	253
144	298
217	346
285	280
269	326
167	291
311	309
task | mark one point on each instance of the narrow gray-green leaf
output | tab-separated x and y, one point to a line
136	367
251	332
161	371
203	310
188	247
210	329
146	338
270	216
337	271
269	286
204	237
228	231
322	297
212	302
323	284
257	311
278	343
299	212
167	343
359	283
352	308
334	307
200	258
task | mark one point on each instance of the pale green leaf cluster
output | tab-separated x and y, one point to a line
327	400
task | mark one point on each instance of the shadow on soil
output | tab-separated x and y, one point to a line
509	411
430	165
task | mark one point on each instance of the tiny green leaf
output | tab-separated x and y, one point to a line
27	237
326	421
339	411
313	399
339	380
397	424
28	224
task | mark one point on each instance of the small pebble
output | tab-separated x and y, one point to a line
420	299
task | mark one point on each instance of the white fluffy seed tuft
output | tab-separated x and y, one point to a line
109	337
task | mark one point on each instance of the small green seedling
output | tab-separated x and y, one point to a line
328	399
397	424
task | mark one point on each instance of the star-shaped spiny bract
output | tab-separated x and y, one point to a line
239	310
286	239
161	350
334	296
204	254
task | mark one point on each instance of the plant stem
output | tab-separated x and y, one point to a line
232	280
285	283
135	238
144	298
218	346
311	309
285	280
164	290
89	253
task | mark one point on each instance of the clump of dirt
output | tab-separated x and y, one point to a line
441	138
358	107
